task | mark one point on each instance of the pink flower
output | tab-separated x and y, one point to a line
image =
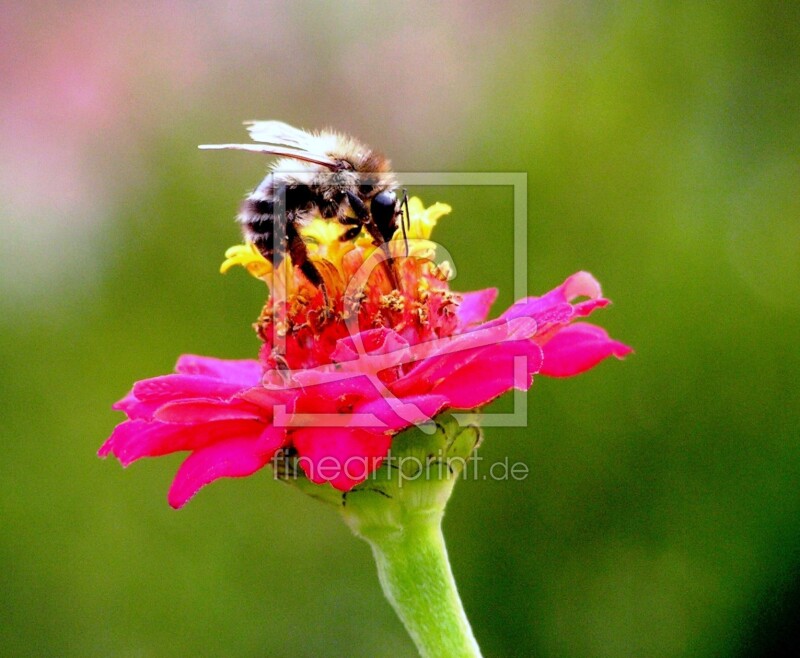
333	387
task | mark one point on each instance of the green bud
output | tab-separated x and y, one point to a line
415	479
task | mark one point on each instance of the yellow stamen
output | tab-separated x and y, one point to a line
249	258
322	237
423	220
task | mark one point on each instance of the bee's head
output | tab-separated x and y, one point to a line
383	209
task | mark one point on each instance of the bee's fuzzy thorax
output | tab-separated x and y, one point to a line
362	157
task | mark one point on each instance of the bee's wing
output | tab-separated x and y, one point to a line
281	139
282	151
282	134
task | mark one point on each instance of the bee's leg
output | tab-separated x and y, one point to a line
405	220
362	214
299	255
378	240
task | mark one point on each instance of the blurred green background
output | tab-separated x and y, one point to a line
661	142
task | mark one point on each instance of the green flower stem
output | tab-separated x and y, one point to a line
399	511
416	578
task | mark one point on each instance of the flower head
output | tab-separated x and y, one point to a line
386	345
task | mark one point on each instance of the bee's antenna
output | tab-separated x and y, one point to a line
406	218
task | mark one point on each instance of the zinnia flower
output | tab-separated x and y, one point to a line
334	383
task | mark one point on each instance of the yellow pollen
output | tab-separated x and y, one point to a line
393	301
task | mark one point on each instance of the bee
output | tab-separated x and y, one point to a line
323	174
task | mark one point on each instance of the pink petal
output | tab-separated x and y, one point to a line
371	351
150	394
244	372
198	377
381	412
342	456
135	408
176	387
458	351
380	340
582	309
334	384
581	284
578	348
268	398
191	412
491	373
398	413
474	306
238	457
134	439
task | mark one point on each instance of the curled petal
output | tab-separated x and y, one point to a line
474	306
581	284
237	457
342	456
582	309
493	371
577	348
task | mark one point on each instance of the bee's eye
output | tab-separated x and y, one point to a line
383	205
382	209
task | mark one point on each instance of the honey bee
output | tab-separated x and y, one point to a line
323	174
